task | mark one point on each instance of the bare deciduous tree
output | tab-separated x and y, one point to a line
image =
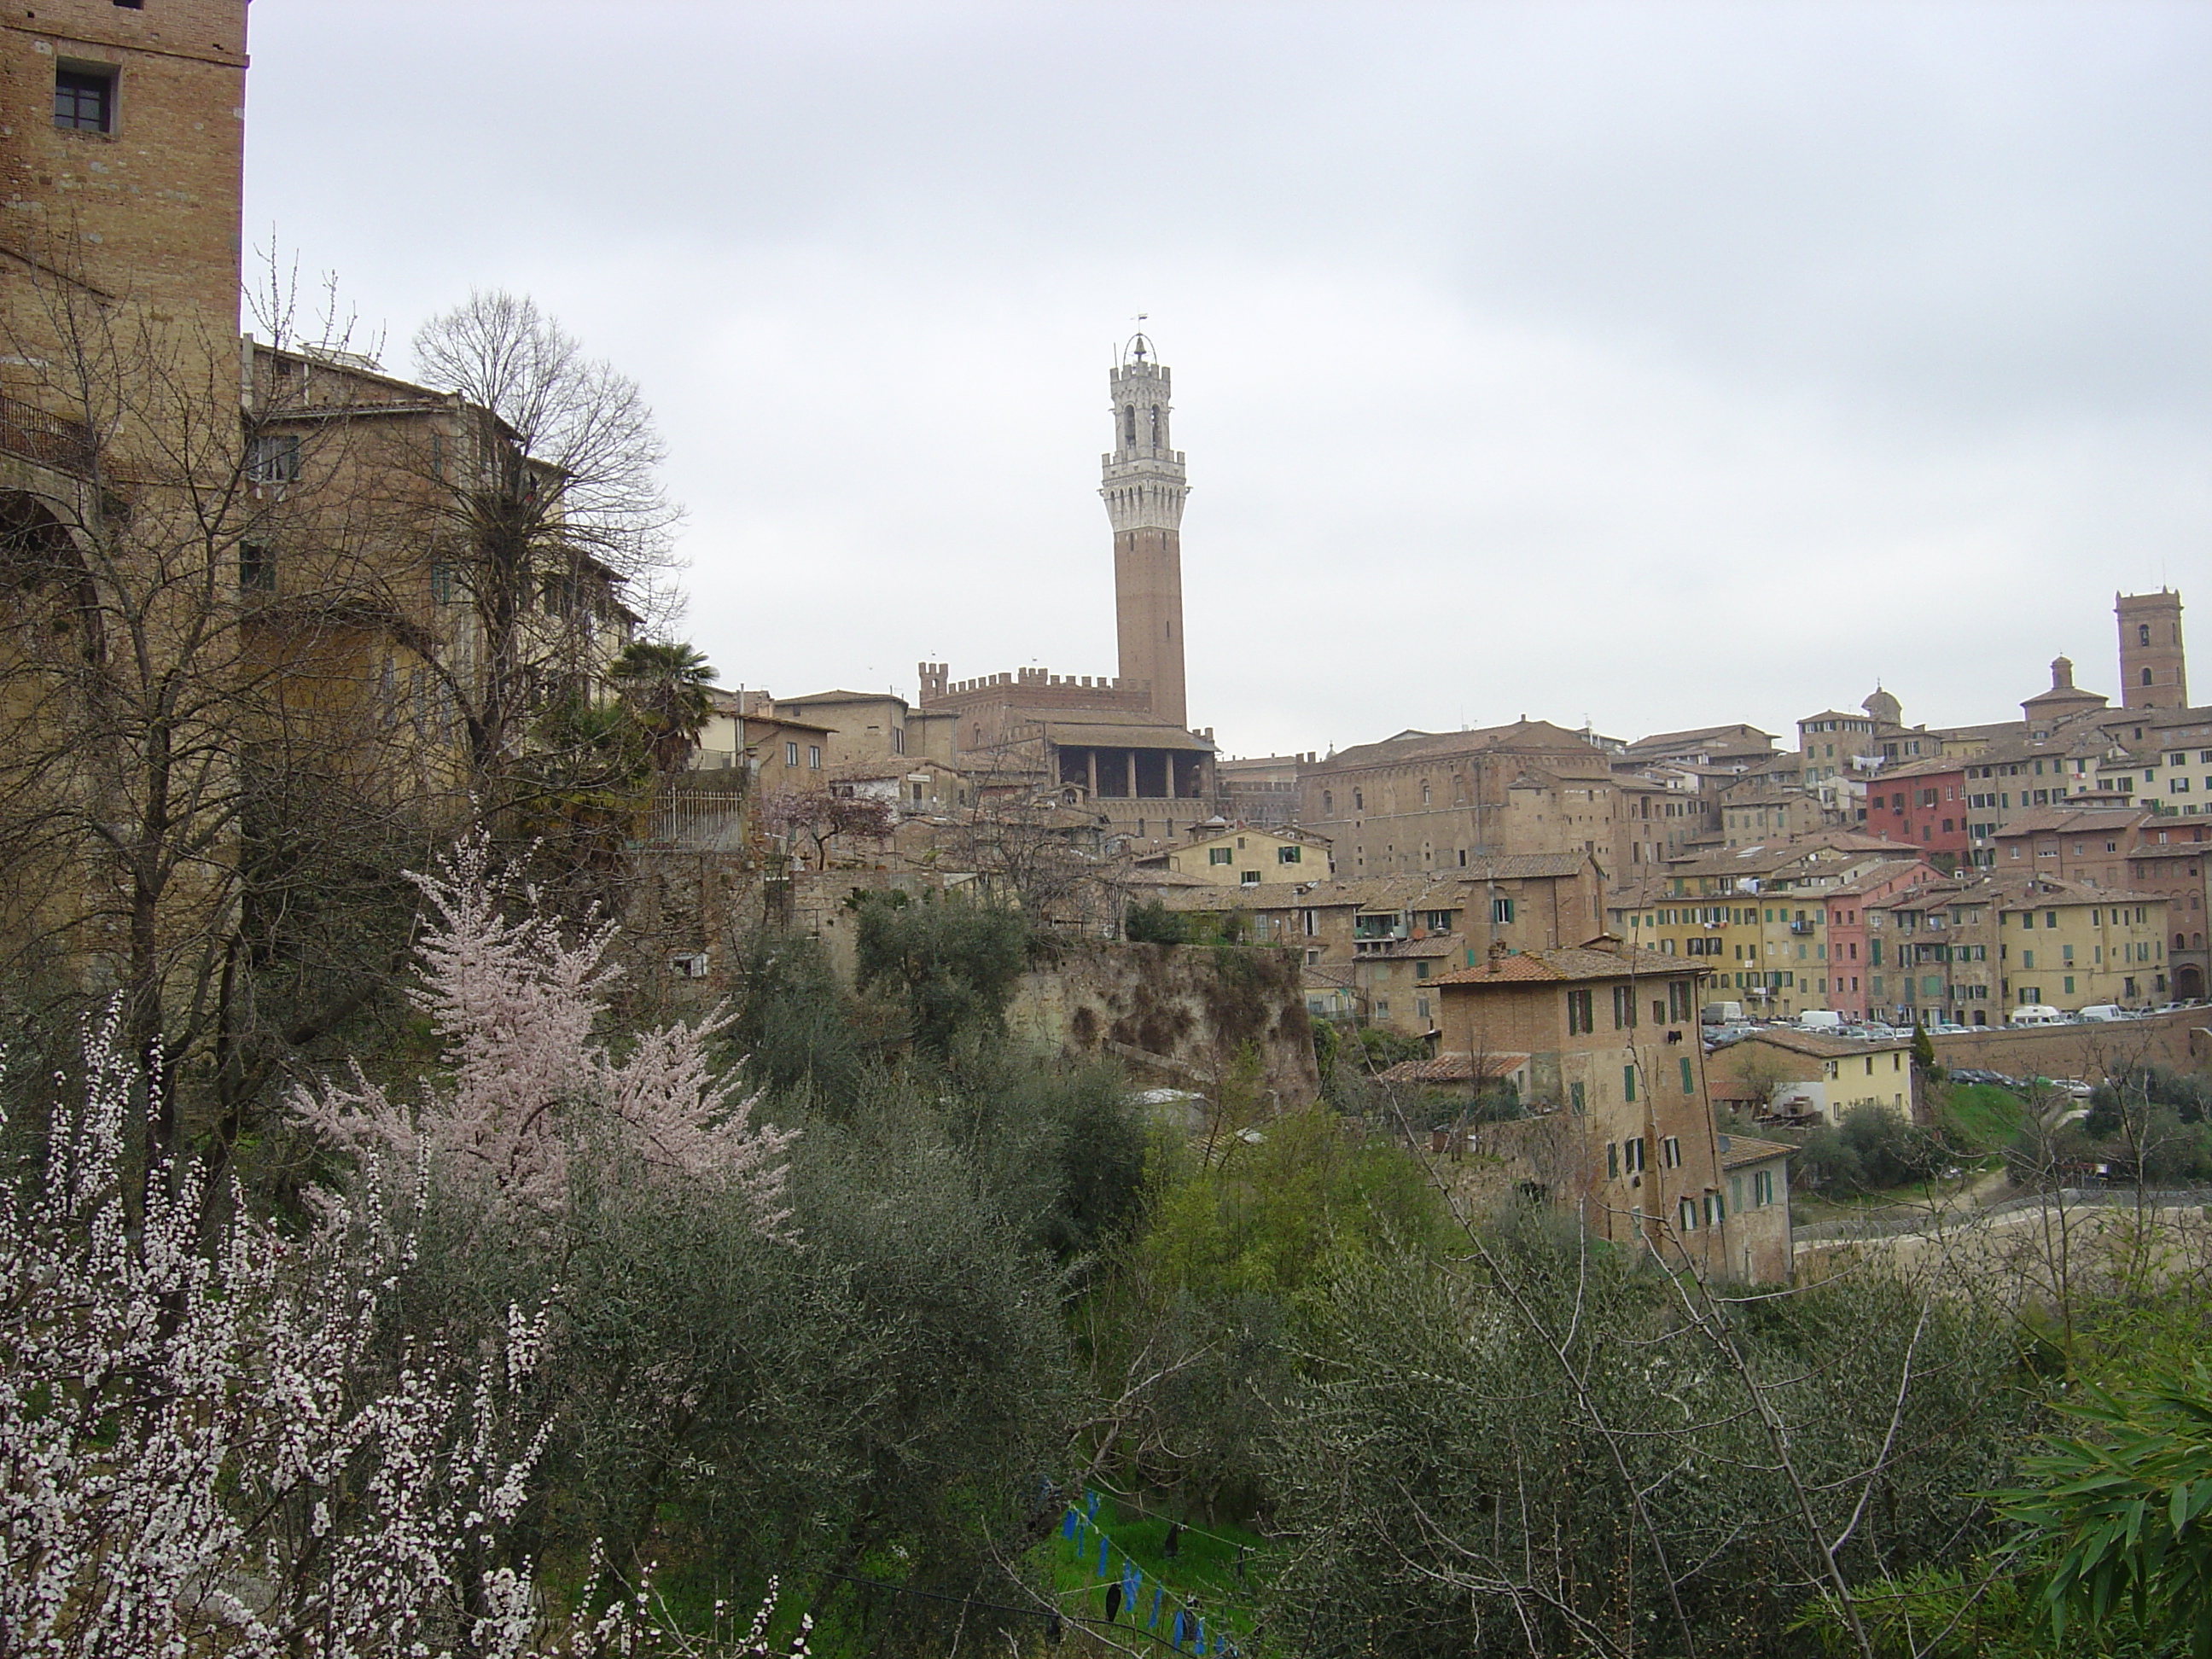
202	797
550	517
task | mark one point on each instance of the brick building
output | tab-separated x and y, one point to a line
1779	1072
1431	801
1934	954
2153	669
1379	941
1615	1076
1922	804
2070	946
1121	744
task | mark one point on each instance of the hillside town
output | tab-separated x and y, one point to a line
895	1120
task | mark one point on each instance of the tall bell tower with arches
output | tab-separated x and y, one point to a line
1144	489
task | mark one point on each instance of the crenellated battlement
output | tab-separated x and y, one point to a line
1037	688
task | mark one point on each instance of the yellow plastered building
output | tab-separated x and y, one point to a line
2068	946
1240	855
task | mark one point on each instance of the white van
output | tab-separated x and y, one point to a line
2035	1013
2102	1013
1826	1020
1722	1013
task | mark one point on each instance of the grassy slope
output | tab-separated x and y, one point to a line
1204	1571
1982	1116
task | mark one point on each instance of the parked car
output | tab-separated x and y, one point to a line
1880	1031
2102	1013
2035	1013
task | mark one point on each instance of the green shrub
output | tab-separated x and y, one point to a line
1153	923
952	963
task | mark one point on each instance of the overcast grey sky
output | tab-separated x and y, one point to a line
1660	364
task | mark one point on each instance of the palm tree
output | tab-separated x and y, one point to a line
664	685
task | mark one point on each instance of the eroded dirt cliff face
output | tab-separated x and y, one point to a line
1177	1014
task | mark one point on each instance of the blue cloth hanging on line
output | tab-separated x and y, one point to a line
1158	1593
1104	1544
1069	1522
1091	1507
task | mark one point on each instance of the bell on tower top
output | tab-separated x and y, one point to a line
1139	348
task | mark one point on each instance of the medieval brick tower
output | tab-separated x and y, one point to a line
123	155
1144	491
2154	673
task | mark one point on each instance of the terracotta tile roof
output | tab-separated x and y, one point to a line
1453	889
1199	894
1824	1048
1129	732
1436	945
1574	963
2072	821
1736	1151
2168	719
1452	1068
1921	769
1696	735
1874	878
1410	743
2048	895
1146	876
842	697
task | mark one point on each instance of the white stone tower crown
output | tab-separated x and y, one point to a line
1144	485
1144	491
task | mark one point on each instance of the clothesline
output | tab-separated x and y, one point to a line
1051	1615
1124	1501
1187	1624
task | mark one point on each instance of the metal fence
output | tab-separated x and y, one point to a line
31	433
707	819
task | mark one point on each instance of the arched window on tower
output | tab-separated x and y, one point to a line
2146	676
2142	634
1155	426
1129	425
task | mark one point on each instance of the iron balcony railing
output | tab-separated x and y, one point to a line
50	440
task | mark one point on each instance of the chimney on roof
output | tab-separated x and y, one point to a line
1499	950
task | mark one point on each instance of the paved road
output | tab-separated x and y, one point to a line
1952	1215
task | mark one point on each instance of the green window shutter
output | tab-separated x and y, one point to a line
1628	1083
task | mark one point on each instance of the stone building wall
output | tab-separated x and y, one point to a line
2182	1039
1177	1015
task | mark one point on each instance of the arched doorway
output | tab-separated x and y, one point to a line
44	585
2188	982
